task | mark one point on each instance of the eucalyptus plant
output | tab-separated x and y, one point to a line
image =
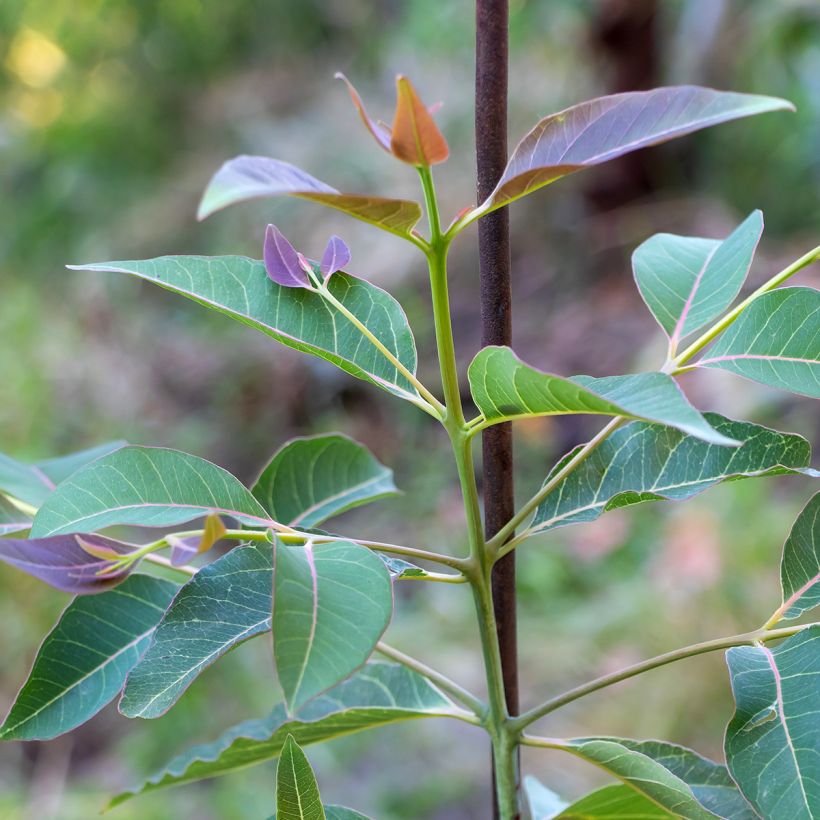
143	625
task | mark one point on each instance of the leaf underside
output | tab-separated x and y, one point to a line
800	566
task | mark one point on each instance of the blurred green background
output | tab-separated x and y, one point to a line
113	114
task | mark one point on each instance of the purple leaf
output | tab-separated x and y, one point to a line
381	133
282	261
71	563
608	127
183	549
335	257
249	177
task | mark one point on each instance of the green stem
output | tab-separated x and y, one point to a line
428	402
745	639
497	545
479	567
442	681
674	366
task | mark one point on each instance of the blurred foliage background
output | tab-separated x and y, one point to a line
113	114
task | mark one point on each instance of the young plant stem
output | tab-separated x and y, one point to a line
744	639
497	545
479	567
675	366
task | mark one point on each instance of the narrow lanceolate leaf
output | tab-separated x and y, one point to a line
775	341
83	662
415	137
301	319
379	694
615	802
79	564
609	127
687	282
249	177
311	479
331	604
33	483
645	462
225	603
673	777
11	518
773	741
800	566
147	487
297	792
505	388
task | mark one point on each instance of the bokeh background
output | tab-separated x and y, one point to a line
113	114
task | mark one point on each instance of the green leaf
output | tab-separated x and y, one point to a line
614	802
83	661
33	483
687	282
379	694
146	487
644	462
297	792
331	604
506	388
775	341
773	740
240	288
311	479
673	777
605	128
249	177
226	603
11	518
800	566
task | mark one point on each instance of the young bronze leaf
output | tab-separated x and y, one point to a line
297	793
145	487
379	694
251	177
79	564
83	662
381	133
505	388
608	127
773	741
226	603
800	566
775	341
240	288
415	137
687	282
311	479
331	603
646	462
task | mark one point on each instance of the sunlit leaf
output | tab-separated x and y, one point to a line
301	319
250	177
381	693
79	564
676	778
505	388
147	487
800	566
331	603
311	479
775	341
773	741
609	127
687	282
225	603
297	792
82	664
415	136
32	483
646	462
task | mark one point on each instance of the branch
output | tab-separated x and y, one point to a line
745	639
